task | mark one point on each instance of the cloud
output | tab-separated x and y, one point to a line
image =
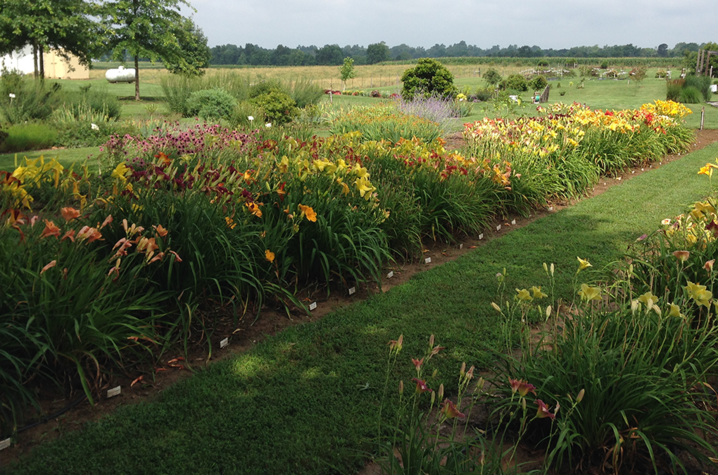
549	24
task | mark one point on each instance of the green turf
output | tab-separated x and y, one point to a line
65	156
295	403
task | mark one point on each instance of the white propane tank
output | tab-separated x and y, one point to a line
120	75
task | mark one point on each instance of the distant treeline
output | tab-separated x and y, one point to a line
253	55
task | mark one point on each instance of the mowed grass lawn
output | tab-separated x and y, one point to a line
306	400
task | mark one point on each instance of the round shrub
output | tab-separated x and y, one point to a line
538	83
428	78
211	104
492	77
278	107
515	82
543	63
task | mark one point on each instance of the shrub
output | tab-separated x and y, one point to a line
426	78
661	74
31	136
33	100
277	106
492	77
538	83
542	63
604	64
265	87
701	83
178	88
515	82
305	93
211	104
673	89
98	101
483	94
690	95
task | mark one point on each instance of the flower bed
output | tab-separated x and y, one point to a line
105	270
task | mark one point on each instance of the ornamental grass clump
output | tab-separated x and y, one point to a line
385	122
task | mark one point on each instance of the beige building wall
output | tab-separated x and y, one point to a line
56	67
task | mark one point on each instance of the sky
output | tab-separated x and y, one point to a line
548	24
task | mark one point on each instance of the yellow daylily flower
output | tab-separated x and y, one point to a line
589	293
675	311
648	299
121	172
583	264
523	295
537	294
699	294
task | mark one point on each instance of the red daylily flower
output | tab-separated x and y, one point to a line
543	411
421	386
449	410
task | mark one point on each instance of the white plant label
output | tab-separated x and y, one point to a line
481	236
224	343
4	444
427	260
461	246
114	392
390	275
498	228
513	222
633	171
643	169
550	208
352	290
619	178
312	306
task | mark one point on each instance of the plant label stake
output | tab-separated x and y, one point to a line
550	208
312	306
352	290
461	246
513	222
481	236
427	260
390	275
4	444
114	392
498	228
224	343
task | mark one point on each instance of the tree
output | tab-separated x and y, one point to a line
492	77
64	25
662	50
330	55
195	52
347	72
377	52
427	78
145	28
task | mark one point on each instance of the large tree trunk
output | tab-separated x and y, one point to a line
137	78
34	59
41	58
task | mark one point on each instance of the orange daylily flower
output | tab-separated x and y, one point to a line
69	235
50	230
107	221
69	213
269	255
177	257
254	209
48	266
161	232
91	234
308	212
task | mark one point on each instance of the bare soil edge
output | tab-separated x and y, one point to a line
270	322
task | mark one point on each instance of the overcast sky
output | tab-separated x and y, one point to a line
548	24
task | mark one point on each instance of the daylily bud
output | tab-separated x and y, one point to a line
548	311
552	269
441	391
433	375
496	307
433	397
523	403
581	393
545	268
463	369
431	341
401	387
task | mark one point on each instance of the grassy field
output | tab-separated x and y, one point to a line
66	157
306	401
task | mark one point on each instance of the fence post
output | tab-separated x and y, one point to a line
703	115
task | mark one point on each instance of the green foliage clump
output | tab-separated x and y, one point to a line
33	100
690	95
429	77
492	77
278	107
32	136
538	83
211	104
515	82
673	89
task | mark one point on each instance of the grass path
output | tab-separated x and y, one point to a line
295	403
